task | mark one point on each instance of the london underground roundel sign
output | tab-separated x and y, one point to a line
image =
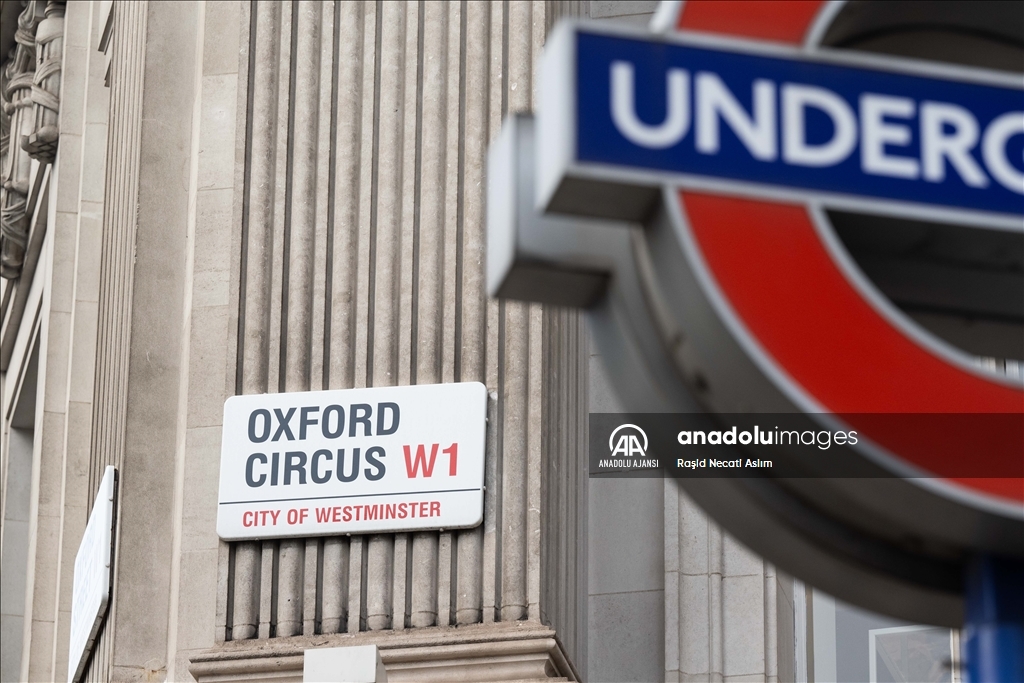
734	136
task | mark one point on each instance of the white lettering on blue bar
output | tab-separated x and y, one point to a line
819	126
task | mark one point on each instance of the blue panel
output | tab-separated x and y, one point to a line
994	620
601	140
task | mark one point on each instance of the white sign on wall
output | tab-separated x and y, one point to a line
352	461
91	590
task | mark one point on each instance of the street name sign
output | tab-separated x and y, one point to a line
352	461
90	593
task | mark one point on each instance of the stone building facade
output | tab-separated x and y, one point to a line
209	199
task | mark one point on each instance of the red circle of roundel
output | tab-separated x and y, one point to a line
796	301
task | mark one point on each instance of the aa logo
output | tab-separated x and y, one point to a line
628	441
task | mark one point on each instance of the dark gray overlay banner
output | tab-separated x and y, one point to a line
744	445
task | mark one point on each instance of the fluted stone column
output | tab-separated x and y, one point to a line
361	236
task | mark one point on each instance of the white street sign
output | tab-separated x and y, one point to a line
91	590
352	461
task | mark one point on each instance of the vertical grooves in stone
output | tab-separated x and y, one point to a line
332	183
429	325
356	582
117	261
552	481
289	64
117	267
375	212
517	390
313	579
363	587
417	176
563	482
408	277
255	292
513	463
499	452
771	632
291	558
460	196
536	397
297	277
446	312
385	245
259	247
278	187
568	489
345	192
246	201
407	205
371	294
321	157
532	521
580	417
493	97
562	469
716	654
334	599
334	551
472	302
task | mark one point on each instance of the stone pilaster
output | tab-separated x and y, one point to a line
361	264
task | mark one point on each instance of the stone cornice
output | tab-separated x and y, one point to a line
511	651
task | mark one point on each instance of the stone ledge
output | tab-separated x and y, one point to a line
511	651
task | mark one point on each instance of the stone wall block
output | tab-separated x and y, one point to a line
217	136
199	489
743	636
198	610
694	624
731	616
737	560
221	46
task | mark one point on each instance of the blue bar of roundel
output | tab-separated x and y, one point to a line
600	141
